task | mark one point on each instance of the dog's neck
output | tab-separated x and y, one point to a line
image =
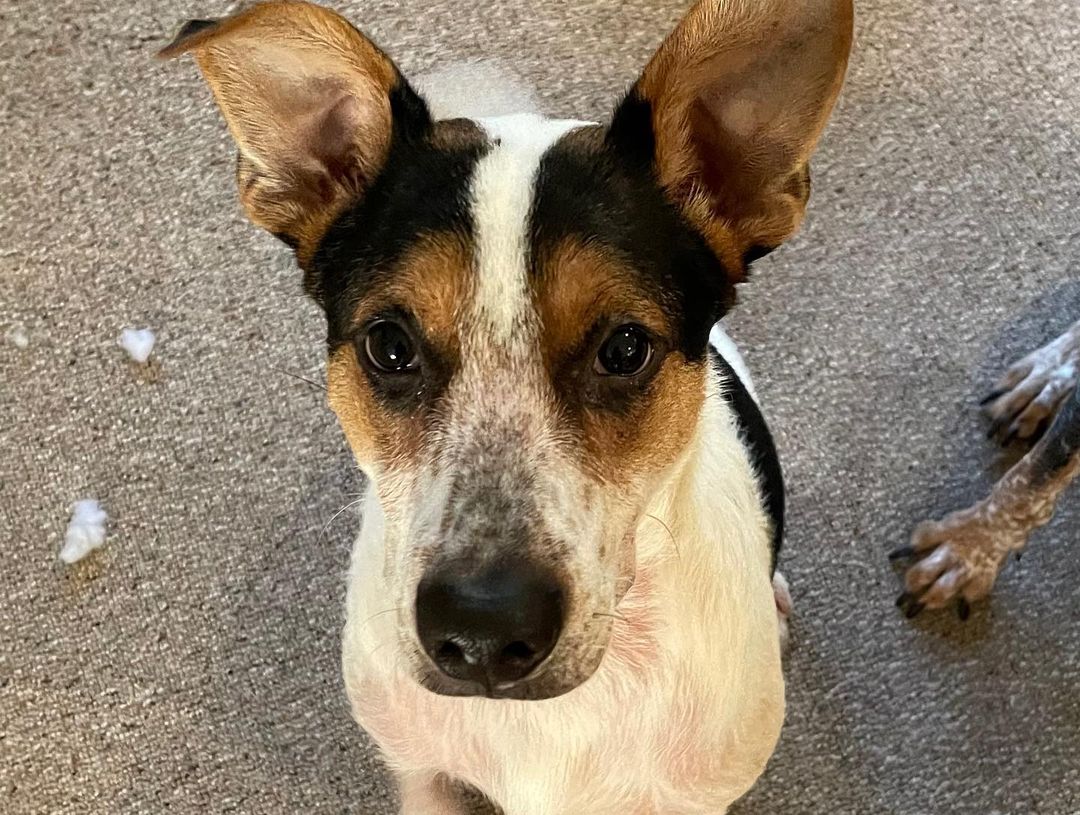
708	506
702	552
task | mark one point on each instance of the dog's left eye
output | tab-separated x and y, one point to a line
390	349
627	352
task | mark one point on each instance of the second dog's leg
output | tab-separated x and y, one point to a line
960	556
1029	395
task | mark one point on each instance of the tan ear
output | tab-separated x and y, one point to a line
737	97
308	100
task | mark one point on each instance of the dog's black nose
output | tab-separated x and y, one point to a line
493	627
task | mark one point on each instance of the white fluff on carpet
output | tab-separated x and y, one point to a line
18	337
85	532
138	342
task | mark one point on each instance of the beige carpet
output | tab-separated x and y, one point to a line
191	666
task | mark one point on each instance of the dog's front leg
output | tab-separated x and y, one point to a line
430	793
960	556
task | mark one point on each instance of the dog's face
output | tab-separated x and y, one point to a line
518	309
514	373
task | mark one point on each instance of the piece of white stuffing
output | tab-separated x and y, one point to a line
138	342
18	337
85	532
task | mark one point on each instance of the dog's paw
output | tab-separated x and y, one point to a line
1027	398
957	559
784	607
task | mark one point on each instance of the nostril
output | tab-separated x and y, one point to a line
518	653
455	660
449	653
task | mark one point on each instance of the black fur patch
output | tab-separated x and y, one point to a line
756	253
603	191
759	444
192	27
631	131
186	32
423	188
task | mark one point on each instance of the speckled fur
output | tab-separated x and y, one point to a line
962	555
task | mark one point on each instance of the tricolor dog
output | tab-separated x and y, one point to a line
563	594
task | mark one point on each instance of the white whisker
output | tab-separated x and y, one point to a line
667	529
334	517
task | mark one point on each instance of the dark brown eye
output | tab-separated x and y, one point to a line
390	349
626	352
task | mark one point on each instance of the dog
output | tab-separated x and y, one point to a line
563	595
955	561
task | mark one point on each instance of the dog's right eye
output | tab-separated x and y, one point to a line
390	349
625	353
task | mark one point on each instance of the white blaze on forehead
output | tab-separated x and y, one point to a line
502	196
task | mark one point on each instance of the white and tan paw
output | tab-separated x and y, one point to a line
1026	399
957	559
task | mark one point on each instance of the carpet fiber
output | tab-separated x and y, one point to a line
191	665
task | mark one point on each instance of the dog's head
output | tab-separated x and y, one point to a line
519	309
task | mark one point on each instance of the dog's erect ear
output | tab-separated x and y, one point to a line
308	100
729	110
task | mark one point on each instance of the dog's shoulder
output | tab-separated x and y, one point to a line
738	390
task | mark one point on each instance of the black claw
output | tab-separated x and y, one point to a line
913	609
1040	431
902	553
1005	442
994	394
995	428
904	598
1018	556
963	609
